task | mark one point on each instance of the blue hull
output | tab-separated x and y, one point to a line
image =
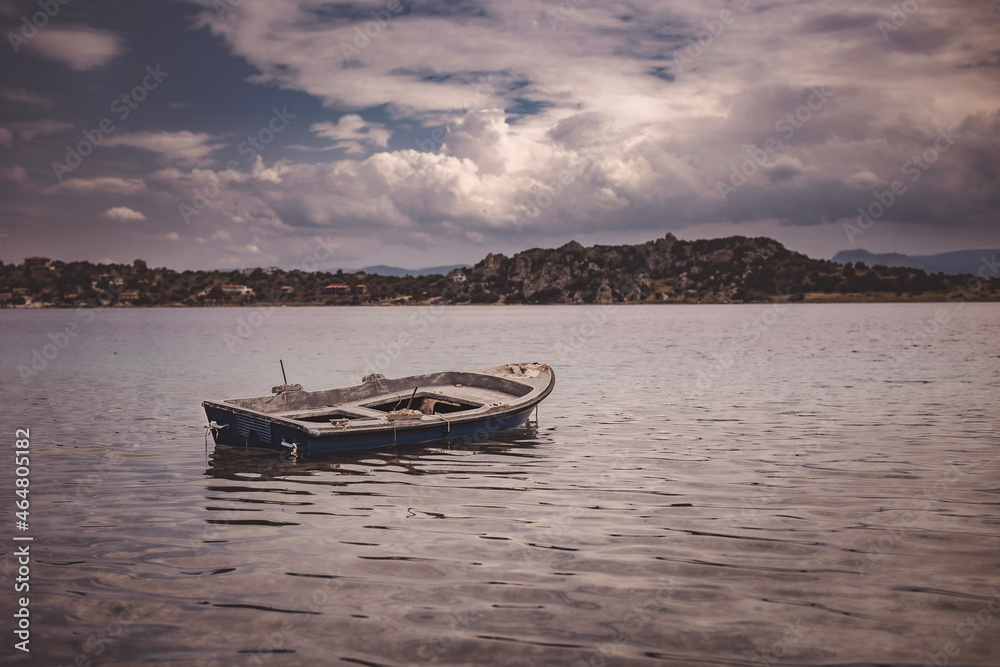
303	443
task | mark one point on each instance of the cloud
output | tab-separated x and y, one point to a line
496	54
28	130
353	134
23	97
488	177
9	9
122	214
80	48
841	21
863	180
100	185
185	148
239	203
14	174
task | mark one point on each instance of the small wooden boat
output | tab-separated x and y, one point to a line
381	411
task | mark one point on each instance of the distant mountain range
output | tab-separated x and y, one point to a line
383	270
959	261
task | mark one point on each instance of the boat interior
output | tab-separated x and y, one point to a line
378	398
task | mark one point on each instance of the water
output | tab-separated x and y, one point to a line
736	485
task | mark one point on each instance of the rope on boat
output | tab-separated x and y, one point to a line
377	379
448	430
214	427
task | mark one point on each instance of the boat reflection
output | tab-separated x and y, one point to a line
243	463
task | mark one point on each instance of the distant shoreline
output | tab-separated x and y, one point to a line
815	298
664	271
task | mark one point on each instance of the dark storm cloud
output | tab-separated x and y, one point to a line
989	63
927	42
838	22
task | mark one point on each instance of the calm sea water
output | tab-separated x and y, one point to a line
734	485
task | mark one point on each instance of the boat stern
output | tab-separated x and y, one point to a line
240	427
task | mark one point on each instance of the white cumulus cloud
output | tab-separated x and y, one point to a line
190	148
352	133
80	48
122	214
100	185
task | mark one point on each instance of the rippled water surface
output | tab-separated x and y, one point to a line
734	485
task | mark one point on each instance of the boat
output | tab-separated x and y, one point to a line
380	411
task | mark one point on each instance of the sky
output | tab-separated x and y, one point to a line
219	134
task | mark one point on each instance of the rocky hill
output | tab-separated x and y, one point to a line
733	269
